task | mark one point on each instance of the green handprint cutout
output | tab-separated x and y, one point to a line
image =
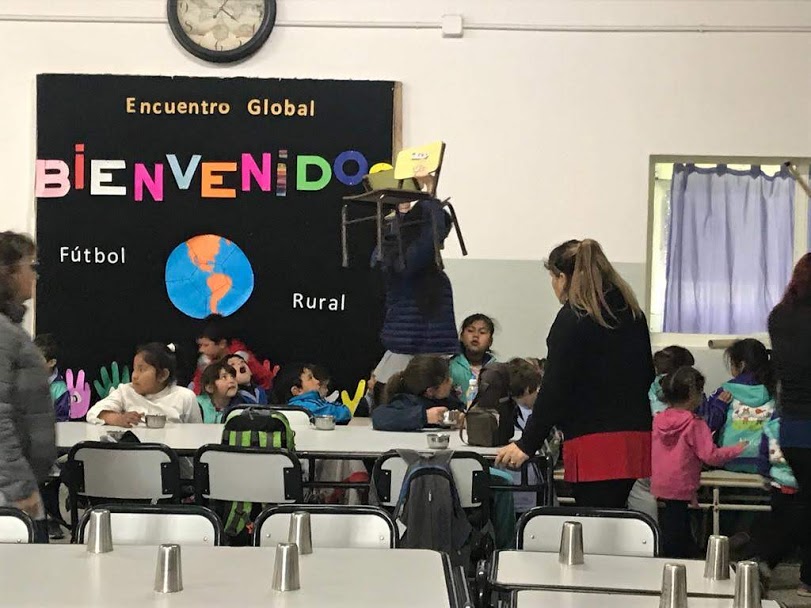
109	382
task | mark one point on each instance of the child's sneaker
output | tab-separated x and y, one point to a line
804	590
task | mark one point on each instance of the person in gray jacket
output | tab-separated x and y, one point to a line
27	431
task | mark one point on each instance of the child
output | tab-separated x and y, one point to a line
788	512
297	386
59	388
220	391
416	397
681	442
738	410
476	338
324	378
152	391
524	382
667	361
249	391
216	342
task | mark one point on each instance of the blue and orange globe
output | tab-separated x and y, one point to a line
208	274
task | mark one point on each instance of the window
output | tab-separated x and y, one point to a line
724	234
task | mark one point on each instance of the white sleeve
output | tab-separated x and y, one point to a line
191	409
114	402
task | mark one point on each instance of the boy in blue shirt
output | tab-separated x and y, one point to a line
59	388
296	385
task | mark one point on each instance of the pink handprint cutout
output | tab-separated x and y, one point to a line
79	394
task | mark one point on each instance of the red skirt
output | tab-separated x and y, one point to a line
603	456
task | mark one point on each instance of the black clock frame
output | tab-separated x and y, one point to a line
229	56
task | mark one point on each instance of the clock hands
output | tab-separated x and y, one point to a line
222	10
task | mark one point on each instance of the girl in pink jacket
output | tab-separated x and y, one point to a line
681	443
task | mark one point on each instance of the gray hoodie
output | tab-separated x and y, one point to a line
27	431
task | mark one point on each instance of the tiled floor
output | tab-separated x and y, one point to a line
784	585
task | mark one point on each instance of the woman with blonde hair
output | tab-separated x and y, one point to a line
27	432
598	370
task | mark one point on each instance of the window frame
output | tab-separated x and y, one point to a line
801	230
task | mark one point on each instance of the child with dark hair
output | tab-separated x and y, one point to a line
220	390
59	388
249	391
296	385
681	443
216	341
324	378
739	409
153	390
667	361
475	339
416	397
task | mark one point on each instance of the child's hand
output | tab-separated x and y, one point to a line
741	446
272	370
725	396
370	384
435	414
126	419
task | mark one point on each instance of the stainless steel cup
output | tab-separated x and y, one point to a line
168	573
99	532
747	586
571	544
674	586
300	532
155	421
285	569
325	423
716	565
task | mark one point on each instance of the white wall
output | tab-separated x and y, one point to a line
548	131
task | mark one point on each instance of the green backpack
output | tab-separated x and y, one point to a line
258	428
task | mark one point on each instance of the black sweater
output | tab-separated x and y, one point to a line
596	379
790	331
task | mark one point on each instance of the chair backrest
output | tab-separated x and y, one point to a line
128	471
296	416
158	524
232	473
605	531
332	526
421	162
15	526
471	475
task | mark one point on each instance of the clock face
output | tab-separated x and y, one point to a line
222	30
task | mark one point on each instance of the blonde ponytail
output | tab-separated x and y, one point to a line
591	276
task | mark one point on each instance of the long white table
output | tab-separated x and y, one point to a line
512	570
547	599
43	576
352	441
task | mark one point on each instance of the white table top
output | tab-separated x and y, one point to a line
603	573
358	440
42	576
546	599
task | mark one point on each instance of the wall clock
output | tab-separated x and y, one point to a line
221	31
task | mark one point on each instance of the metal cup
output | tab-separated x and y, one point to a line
300	532
716	566
285	569
747	586
571	544
168	574
674	586
99	532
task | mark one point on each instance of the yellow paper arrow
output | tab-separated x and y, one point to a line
352	403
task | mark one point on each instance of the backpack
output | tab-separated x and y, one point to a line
252	428
430	510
